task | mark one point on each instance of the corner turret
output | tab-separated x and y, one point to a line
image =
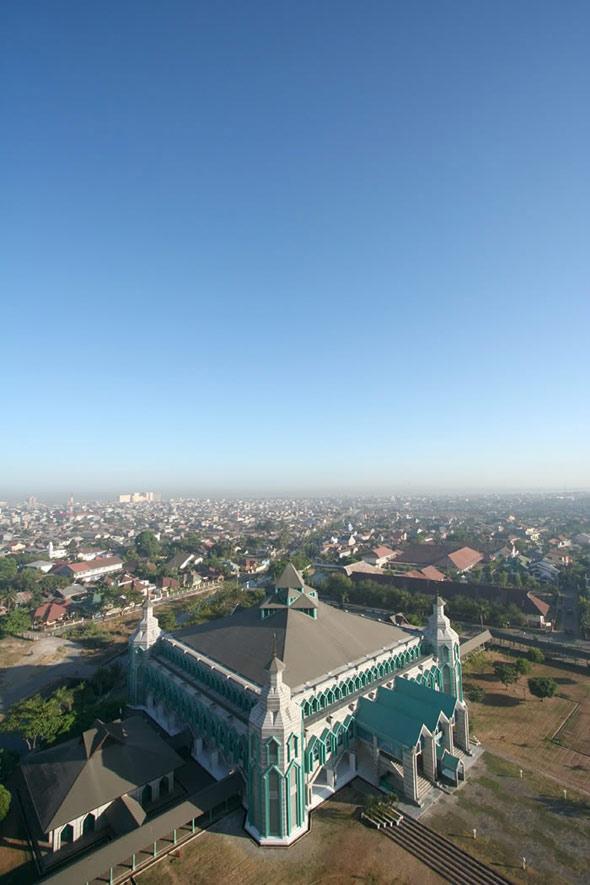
148	629
445	646
276	798
147	634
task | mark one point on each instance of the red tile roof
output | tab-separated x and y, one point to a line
465	558
382	551
50	611
432	573
541	606
99	562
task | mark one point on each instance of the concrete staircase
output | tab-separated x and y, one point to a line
441	855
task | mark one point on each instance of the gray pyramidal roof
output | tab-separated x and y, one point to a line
291	579
309	647
106	762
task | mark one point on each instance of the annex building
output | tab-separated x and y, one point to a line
300	697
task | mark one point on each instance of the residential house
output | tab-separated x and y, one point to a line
89	571
544	570
40	565
536	612
87	554
49	614
181	560
380	556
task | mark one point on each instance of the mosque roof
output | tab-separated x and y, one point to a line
310	647
414	706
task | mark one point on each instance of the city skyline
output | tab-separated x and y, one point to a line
290	249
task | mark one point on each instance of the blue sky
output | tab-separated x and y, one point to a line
279	246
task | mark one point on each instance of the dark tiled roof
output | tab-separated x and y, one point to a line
94	864
309	647
103	764
290	579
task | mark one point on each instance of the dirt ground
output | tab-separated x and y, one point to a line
518	817
28	667
575	735
338	849
511	723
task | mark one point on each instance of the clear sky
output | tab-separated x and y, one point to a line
266	246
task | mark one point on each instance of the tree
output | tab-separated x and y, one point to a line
476	693
506	673
523	667
147	545
8	596
36	719
64	697
5	799
167	621
16	621
542	686
536	656
339	585
8	568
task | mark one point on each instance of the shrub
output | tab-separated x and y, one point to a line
475	693
5	799
523	666
542	686
536	656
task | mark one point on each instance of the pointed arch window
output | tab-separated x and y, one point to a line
67	835
272	752
274	803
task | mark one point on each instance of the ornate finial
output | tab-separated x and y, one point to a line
275	664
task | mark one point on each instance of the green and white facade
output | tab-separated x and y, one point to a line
301	697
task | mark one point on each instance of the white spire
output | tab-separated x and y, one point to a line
439	630
275	712
148	629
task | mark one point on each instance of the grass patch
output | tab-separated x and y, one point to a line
561	855
478	807
500	767
490	784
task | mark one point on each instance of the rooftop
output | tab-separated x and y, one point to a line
101	765
309	647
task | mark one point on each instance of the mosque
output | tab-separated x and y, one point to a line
300	697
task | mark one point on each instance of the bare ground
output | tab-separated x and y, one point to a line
517	726
518	817
338	849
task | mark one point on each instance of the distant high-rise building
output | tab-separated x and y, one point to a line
138	498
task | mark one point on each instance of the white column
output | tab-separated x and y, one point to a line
461	728
429	757
410	774
447	731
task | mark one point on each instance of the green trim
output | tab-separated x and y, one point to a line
206	723
208	677
352	684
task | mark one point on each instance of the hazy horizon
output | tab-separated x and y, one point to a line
295	247
59	497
